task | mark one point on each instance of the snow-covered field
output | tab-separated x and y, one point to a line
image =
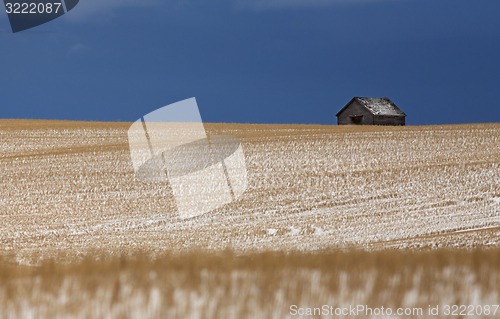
67	188
68	191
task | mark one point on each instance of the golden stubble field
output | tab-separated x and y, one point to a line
333	215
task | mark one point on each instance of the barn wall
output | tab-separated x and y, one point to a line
355	109
389	120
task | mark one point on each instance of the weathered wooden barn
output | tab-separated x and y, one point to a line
371	111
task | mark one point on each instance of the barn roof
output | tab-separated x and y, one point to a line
377	106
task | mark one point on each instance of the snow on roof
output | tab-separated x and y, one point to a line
380	106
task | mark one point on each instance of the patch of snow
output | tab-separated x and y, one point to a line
475	229
294	231
411	297
381	106
271	231
318	231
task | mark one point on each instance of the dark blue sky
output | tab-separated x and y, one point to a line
256	61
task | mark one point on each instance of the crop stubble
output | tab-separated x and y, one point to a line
69	187
324	204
